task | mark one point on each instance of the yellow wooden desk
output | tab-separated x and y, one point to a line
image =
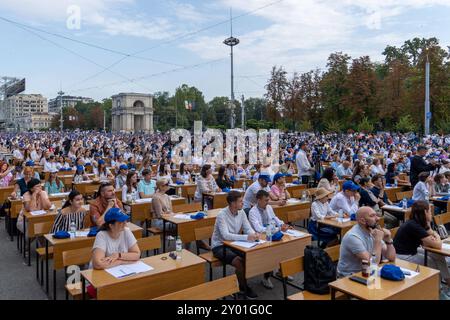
61	245
267	256
186	228
295	190
167	276
424	286
220	198
293	210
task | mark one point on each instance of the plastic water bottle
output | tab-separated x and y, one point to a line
373	272
72	229
395	183
269	232
244	185
179	247
205	208
18	196
304	196
180	192
427	196
340	216
404	204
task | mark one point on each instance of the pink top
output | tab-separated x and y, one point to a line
4	182
277	191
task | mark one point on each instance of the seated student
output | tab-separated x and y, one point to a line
262	183
424	189
30	164
417	232
80	175
329	180
130	187
229	223
106	199
34	199
102	171
183	175
6	175
132	164
51	164
121	178
161	202
362	241
320	209
278	190
223	180
114	244
205	183
367	197
441	184
72	210
378	191
260	216
346	200
53	184
146	186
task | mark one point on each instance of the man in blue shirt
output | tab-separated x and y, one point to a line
146	187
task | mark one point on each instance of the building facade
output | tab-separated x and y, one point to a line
54	105
34	121
132	112
24	105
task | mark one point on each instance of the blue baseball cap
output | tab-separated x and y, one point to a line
350	185
278	176
29	163
101	161
123	167
264	177
115	214
80	168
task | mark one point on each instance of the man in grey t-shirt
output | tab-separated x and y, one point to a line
362	241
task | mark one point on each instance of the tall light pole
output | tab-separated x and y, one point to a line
427	97
243	112
231	42
61	120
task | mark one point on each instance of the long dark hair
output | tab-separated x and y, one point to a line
72	196
128	183
221	172
418	212
205	168
328	174
181	171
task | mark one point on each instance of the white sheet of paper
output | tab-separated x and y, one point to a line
346	220
129	269
38	212
393	208
81	234
446	246
292	200
60	194
413	273
295	233
183	216
144	200
247	244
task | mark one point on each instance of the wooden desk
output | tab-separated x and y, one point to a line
87	188
31	220
399	213
220	198
142	211
166	277
424	286
187	189
266	257
444	202
293	211
185	228
5	192
64	195
295	190
442	251
343	227
61	245
391	192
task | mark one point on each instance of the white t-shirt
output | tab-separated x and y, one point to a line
110	246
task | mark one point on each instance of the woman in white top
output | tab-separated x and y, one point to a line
320	209
424	189
183	175
329	181
163	173
206	183
376	168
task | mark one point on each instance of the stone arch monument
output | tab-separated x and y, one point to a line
132	112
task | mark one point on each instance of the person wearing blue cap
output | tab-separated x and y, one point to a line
102	171
250	194
278	190
80	175
121	178
30	164
51	164
114	244
347	200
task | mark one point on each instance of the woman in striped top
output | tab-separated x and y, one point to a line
72	210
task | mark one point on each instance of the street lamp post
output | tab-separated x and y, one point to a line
231	42
61	120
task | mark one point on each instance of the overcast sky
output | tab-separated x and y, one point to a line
154	46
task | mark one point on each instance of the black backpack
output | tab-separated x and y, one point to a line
319	270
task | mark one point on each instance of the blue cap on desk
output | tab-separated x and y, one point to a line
61	235
392	272
277	236
115	214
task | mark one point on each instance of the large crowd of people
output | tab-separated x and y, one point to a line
369	163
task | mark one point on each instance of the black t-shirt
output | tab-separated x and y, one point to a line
409	237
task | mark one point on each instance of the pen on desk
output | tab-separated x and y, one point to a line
126	275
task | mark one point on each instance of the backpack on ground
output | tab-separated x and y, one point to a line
319	270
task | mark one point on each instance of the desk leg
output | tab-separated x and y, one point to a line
164	236
333	293
224	270
318	234
46	265
54	283
29	251
425	259
24	237
83	287
10	226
